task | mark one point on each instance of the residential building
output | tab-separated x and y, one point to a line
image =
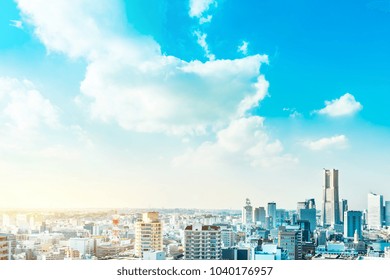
202	242
148	234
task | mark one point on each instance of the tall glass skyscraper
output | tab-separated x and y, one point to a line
352	223
387	213
375	211
271	212
330	202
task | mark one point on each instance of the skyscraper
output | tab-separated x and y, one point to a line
352	223
310	216
375	211
247	213
259	215
148	234
271	211
330	203
343	208
387	213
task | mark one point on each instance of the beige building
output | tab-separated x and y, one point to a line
4	248
148	234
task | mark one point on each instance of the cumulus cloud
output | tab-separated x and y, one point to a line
129	81
198	7
346	105
244	140
243	48
23	106
337	141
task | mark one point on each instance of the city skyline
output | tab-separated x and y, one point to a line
192	104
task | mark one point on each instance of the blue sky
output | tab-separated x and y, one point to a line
176	103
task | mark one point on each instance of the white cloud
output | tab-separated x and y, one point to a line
243	141
201	39
337	141
206	19
129	81
243	48
24	108
198	7
16	23
346	105
293	113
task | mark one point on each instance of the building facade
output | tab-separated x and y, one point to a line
247	213
374	211
330	202
4	248
259	215
387	213
271	213
291	242
148	234
202	242
352	224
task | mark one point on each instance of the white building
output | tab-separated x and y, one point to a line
247	213
227	238
83	245
154	255
268	252
375	211
202	242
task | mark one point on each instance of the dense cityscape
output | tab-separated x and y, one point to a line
309	232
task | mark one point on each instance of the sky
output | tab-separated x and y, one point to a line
192	104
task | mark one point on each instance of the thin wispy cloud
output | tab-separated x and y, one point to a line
201	40
16	23
334	142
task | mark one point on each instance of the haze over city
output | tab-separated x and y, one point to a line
192	104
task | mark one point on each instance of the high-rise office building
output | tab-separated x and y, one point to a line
343	208
259	215
148	234
291	242
271	212
202	242
306	211
330	203
247	213
375	211
387	213
352	224
310	216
